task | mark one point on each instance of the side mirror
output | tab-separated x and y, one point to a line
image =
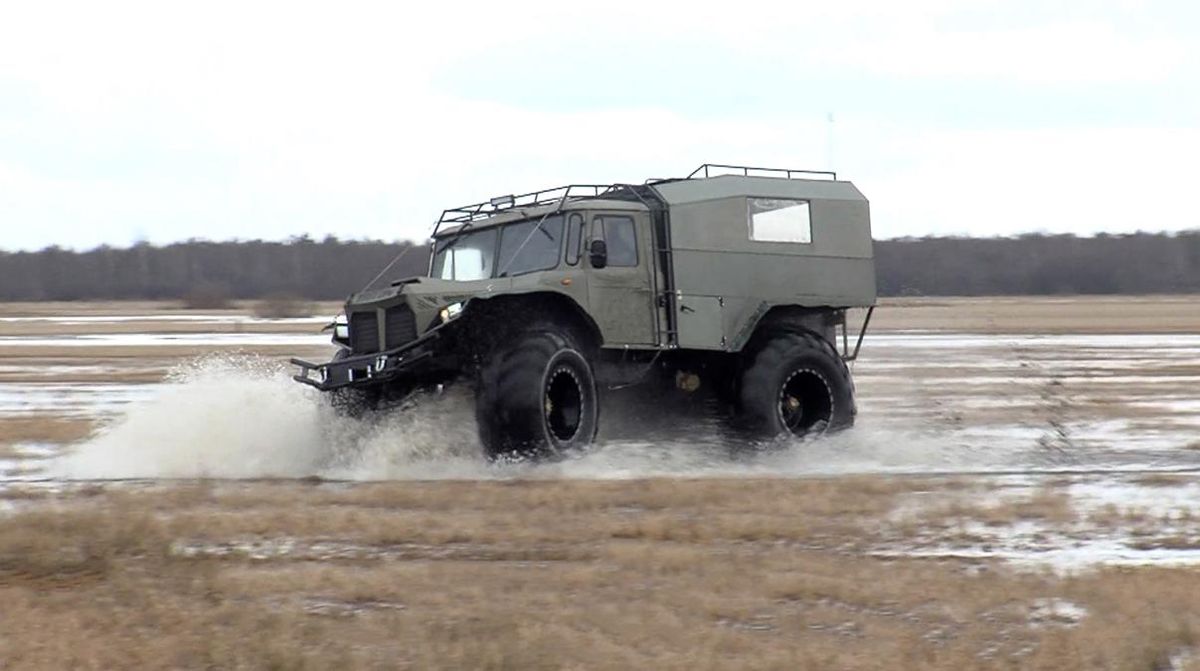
598	253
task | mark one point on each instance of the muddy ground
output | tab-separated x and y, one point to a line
1021	491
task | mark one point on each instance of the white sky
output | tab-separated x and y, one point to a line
164	121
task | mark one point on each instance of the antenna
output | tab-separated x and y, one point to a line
829	143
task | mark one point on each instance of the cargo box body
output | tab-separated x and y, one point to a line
728	272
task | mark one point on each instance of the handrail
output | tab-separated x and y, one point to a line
560	194
745	170
471	213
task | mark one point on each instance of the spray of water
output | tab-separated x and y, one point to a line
223	417
240	417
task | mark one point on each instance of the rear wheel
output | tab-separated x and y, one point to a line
796	385
537	399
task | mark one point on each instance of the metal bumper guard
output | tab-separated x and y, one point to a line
364	368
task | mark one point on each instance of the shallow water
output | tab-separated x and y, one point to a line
1088	414
1072	408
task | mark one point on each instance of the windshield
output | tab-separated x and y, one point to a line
531	245
524	247
470	256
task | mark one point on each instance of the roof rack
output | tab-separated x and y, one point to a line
746	171
562	194
565	194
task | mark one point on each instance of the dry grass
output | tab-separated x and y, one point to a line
122	308
1045	504
1162	480
137	353
1110	516
160	324
128	375
43	429
105	363
1170	542
283	305
519	575
1025	314
1039	314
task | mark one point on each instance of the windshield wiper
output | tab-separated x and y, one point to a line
458	235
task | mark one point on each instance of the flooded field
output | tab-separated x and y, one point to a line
1034	448
182	396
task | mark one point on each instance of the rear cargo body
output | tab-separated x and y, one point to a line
723	275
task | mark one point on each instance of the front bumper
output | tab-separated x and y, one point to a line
366	369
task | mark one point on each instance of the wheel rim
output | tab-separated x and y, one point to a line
805	403
563	403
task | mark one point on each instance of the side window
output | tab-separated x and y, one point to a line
574	238
778	220
621	237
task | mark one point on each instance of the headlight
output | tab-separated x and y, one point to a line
451	311
341	328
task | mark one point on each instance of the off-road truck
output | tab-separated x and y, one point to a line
735	280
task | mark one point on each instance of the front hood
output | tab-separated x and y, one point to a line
434	294
427	289
426	296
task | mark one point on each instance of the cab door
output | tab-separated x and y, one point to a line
620	296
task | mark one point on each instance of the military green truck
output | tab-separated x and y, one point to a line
733	280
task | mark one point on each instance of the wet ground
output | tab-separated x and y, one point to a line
1092	417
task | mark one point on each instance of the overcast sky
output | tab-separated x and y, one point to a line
164	121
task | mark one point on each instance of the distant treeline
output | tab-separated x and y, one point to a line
1036	264
332	268
329	269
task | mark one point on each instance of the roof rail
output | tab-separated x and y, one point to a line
745	171
565	194
562	194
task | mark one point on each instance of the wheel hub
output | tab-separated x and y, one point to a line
563	403
805	402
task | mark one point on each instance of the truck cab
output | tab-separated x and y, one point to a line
598	253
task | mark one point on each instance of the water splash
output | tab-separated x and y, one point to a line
243	417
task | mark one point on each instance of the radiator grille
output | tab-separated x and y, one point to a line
400	326
364	332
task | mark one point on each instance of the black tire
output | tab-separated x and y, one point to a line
796	384
537	399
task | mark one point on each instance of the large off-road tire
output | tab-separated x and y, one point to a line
537	398
796	384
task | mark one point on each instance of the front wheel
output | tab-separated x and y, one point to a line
796	385
537	399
